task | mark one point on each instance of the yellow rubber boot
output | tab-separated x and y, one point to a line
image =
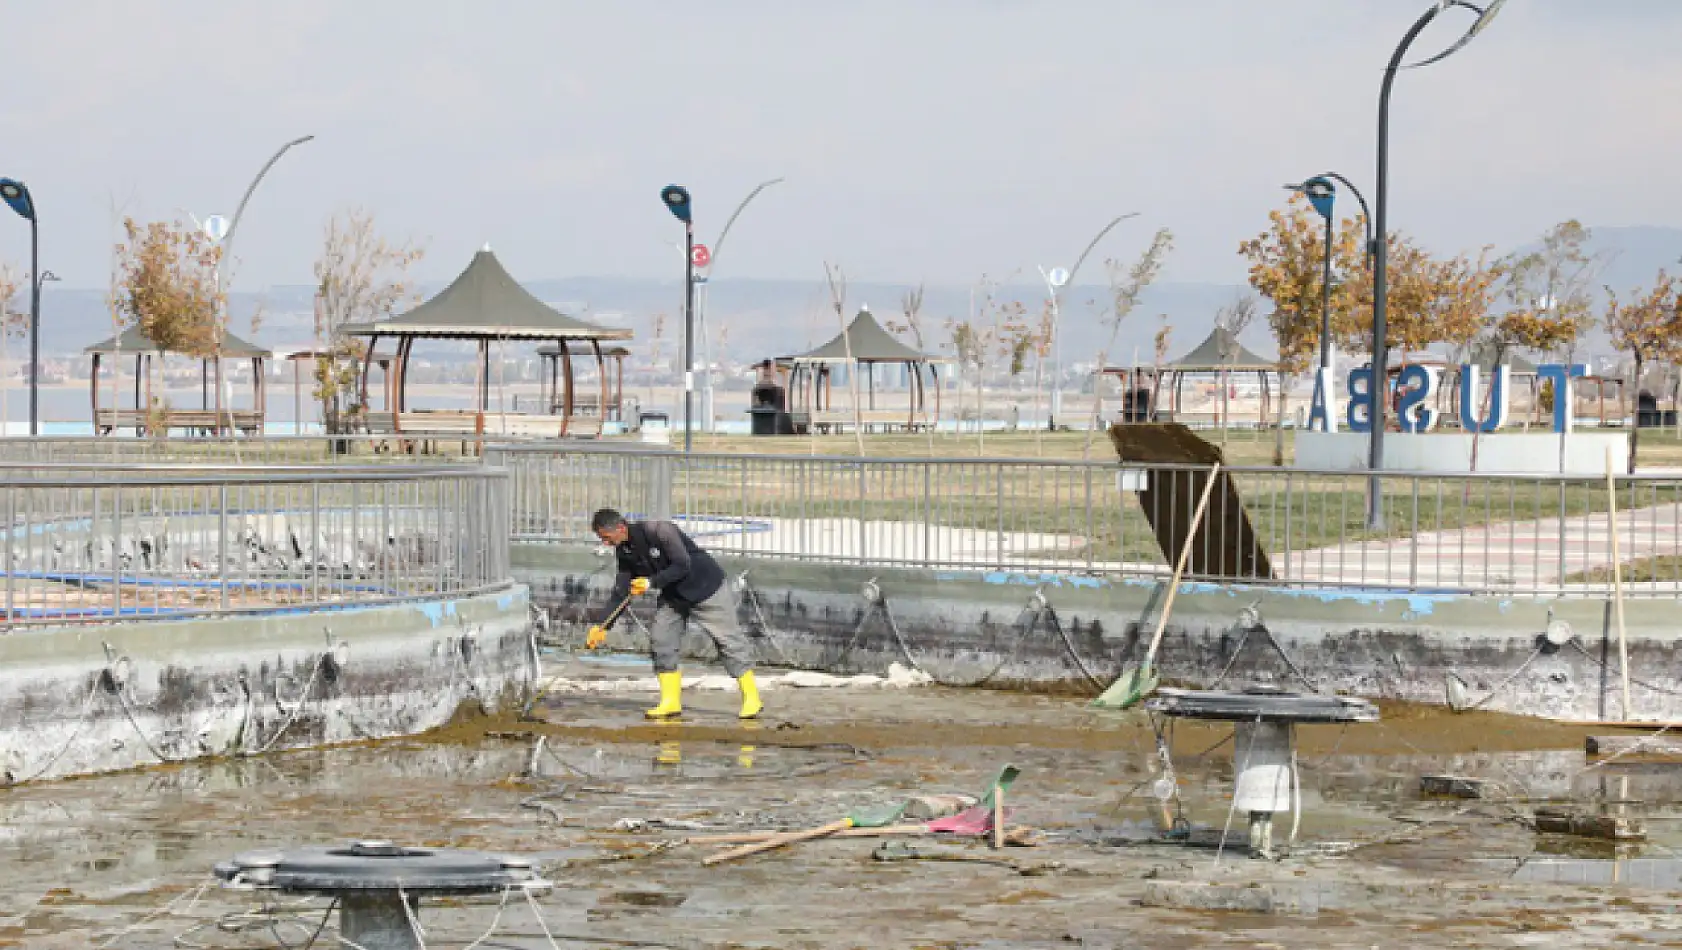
671	692
751	706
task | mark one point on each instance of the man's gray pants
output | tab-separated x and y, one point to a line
717	616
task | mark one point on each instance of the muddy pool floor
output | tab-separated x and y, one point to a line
85	863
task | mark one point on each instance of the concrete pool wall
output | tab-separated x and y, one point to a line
983	628
96	698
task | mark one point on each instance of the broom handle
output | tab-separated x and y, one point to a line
1617	576
611	617
1180	566
780	840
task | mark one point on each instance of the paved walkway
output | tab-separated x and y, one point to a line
1523	555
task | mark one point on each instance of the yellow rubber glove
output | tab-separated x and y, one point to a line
639	586
595	638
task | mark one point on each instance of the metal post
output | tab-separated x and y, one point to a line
1326	310
222	544
928	513
34	320
688	336
1380	273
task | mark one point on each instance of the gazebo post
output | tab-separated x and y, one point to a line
297	399
934	371
601	377
93	393
569	401
367	370
619	388
405	345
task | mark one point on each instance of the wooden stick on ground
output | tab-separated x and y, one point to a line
754	837
998	816
792	837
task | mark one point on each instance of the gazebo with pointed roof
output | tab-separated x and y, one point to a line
486	304
1220	355
211	417
862	346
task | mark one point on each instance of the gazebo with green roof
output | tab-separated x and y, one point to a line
484	304
212	416
861	347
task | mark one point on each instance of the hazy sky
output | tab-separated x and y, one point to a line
920	140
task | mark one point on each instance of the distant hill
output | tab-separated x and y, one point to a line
759	318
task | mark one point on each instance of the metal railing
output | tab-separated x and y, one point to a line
256	450
1480	533
100	542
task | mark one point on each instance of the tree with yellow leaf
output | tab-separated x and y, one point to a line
1287	266
168	286
1649	328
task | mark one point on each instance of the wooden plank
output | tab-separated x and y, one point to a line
1646	747
1227	544
1606	827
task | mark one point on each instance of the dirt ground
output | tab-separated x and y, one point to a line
90	863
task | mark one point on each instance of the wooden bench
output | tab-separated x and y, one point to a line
248	421
885	419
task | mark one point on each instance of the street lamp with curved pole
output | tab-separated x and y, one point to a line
677	200
233	226
1379	385
1054	289
1322	194
16	194
227	244
706	334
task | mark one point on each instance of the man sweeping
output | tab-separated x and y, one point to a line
657	554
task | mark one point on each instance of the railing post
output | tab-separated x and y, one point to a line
222	544
1091	528
1560	580
315	541
863	544
11	557
928	514
999	509
1413	541
117	554
1288	571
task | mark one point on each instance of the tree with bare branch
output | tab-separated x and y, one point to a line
1232	320
1649	328
838	297
360	277
1127	284
12	324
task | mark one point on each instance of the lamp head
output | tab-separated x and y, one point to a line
1486	14
1320	192
16	194
676	198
